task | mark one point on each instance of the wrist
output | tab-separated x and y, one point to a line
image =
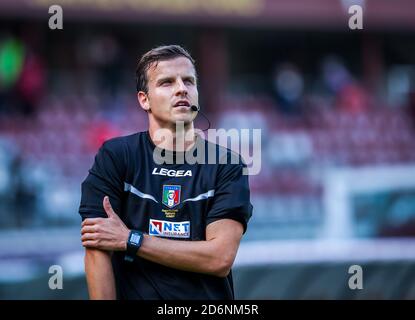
133	244
124	240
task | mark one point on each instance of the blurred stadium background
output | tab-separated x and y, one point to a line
336	108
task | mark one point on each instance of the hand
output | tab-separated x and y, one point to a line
110	234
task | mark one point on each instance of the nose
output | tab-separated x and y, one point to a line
181	88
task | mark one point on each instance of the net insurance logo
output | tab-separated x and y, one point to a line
171	229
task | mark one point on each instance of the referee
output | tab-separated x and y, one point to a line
169	230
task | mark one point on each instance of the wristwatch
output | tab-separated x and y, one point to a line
133	244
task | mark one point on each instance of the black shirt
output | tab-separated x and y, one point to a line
175	201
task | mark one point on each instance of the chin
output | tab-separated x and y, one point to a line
186	120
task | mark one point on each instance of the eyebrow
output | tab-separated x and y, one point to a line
159	81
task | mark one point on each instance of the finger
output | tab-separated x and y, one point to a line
91	221
90	244
88	236
107	207
89	229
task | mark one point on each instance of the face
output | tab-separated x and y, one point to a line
172	89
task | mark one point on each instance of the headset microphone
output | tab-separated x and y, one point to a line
197	108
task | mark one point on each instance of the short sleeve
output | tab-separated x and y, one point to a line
105	178
232	196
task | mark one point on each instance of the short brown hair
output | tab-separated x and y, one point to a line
155	55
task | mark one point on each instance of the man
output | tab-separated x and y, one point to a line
163	231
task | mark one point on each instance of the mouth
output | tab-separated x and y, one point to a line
182	103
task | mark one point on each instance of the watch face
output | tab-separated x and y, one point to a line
135	238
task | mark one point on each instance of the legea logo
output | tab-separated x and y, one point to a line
172	173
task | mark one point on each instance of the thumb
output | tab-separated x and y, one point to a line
108	208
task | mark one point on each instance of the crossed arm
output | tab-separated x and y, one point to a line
101	236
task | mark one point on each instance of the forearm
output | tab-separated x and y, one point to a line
196	256
214	256
99	275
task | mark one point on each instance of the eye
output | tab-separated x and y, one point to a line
189	81
165	82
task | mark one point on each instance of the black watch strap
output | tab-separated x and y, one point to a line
133	244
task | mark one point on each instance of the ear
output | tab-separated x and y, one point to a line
143	101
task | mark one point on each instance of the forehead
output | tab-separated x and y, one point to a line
180	66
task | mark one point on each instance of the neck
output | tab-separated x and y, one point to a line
175	137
